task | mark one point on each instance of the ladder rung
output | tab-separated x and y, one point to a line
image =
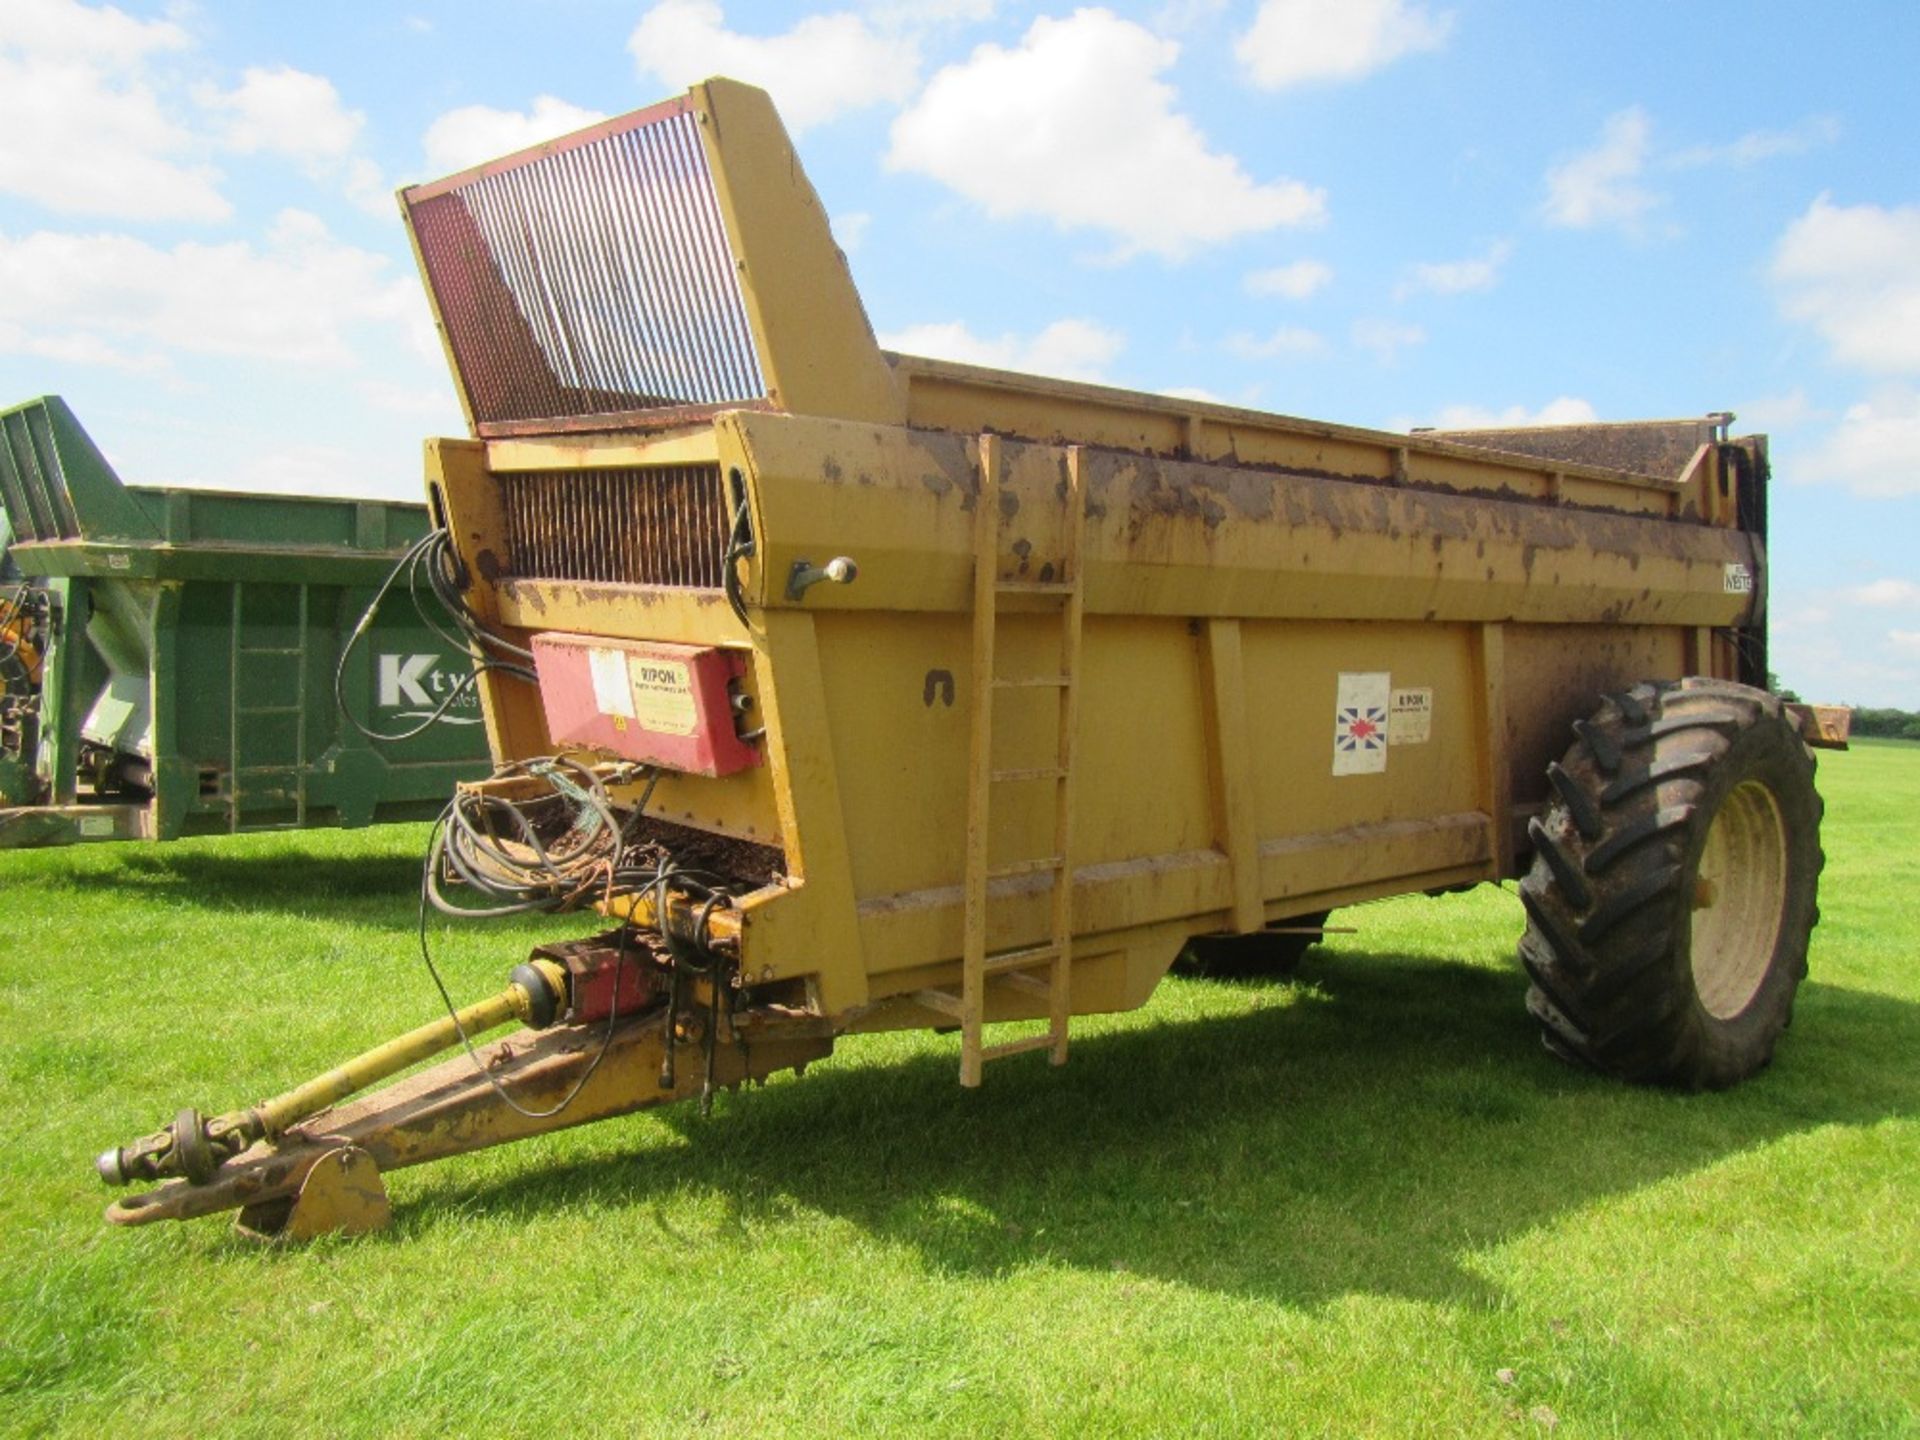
1027	867
1035	587
945	1001
1020	959
268	710
1016	1047
271	650
1022	682
1032	984
1037	772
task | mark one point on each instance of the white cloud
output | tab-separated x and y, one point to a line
1562	410
67	30
1385	339
1888	594
1176	17
296	299
476	133
86	134
434	407
1294	281
850	228
284	111
299	116
1192	392
1071	349
1598	186
1074	125
1873	450
361	471
1757	145
1827	650
78	349
1295	41
1289	341
921	14
1773	413
825	66
1456	277
1853	273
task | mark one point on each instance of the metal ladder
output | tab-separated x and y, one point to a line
1015	969
237	772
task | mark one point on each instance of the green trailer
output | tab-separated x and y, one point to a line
172	656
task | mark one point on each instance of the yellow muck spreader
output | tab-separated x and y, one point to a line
861	692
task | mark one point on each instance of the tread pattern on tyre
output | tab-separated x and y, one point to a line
1609	896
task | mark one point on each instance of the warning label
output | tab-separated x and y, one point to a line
1738	580
663	696
612	692
1410	721
1360	723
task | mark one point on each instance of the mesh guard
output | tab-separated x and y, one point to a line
588	283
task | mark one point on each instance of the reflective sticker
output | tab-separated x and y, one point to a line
1360	723
612	692
1739	580
1410	721
663	696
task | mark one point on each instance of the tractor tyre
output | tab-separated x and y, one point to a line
1674	885
1274	953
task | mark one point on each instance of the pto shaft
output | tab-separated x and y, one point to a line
194	1147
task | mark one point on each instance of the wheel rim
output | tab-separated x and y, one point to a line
1740	890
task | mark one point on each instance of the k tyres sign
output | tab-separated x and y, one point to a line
414	686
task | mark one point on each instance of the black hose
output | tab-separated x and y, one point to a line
432	555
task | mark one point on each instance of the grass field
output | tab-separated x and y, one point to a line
1366	1202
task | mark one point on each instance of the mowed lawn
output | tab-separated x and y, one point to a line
1366	1202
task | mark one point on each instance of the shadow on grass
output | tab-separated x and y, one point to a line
1363	1131
290	881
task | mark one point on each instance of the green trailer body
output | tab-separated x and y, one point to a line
188	647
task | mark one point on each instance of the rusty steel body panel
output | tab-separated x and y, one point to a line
1513	610
1249	667
1236	565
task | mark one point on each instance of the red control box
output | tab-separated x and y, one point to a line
666	705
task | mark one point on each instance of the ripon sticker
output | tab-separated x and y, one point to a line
1738	579
1360	723
663	695
1410	718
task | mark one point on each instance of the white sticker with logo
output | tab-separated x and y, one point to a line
1360	723
663	696
612	693
1739	580
1410	719
417	681
95	826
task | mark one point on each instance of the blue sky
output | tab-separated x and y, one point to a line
1381	212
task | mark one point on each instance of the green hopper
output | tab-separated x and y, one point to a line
169	656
